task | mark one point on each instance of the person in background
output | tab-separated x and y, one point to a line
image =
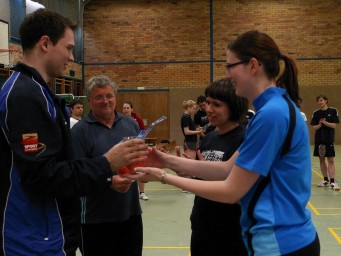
76	108
270	173
200	117
324	122
40	182
111	220
215	226
188	128
128	111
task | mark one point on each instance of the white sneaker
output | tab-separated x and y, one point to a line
323	183
143	197
334	186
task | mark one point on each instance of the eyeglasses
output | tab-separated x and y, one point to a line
103	97
229	66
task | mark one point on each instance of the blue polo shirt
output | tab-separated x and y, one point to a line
283	224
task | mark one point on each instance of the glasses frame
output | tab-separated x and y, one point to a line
229	66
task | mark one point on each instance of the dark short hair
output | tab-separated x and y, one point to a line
322	96
43	22
75	102
201	99
129	103
224	91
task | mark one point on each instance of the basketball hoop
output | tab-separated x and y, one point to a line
8	57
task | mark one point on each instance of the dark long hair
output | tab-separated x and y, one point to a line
254	44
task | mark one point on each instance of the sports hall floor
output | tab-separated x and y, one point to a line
167	225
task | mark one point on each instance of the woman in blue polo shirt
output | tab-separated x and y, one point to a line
270	174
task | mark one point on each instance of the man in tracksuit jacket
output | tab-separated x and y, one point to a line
40	184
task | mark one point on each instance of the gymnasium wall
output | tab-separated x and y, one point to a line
181	44
150	105
172	43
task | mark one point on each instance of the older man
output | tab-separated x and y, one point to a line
111	220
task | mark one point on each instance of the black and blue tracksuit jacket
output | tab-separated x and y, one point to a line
40	184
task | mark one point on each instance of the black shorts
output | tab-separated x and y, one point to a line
324	150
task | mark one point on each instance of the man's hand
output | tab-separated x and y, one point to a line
126	153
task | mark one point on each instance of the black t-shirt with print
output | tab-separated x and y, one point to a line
214	221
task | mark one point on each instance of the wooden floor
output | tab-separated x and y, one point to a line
325	205
167	226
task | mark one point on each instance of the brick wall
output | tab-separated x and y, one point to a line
167	44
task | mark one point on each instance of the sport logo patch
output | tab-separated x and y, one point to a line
30	142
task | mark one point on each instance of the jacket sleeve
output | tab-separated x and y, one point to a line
42	150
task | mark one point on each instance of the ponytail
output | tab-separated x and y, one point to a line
288	79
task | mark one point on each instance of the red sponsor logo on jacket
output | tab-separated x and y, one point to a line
30	142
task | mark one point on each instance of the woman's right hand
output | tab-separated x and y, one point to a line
145	174
156	158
